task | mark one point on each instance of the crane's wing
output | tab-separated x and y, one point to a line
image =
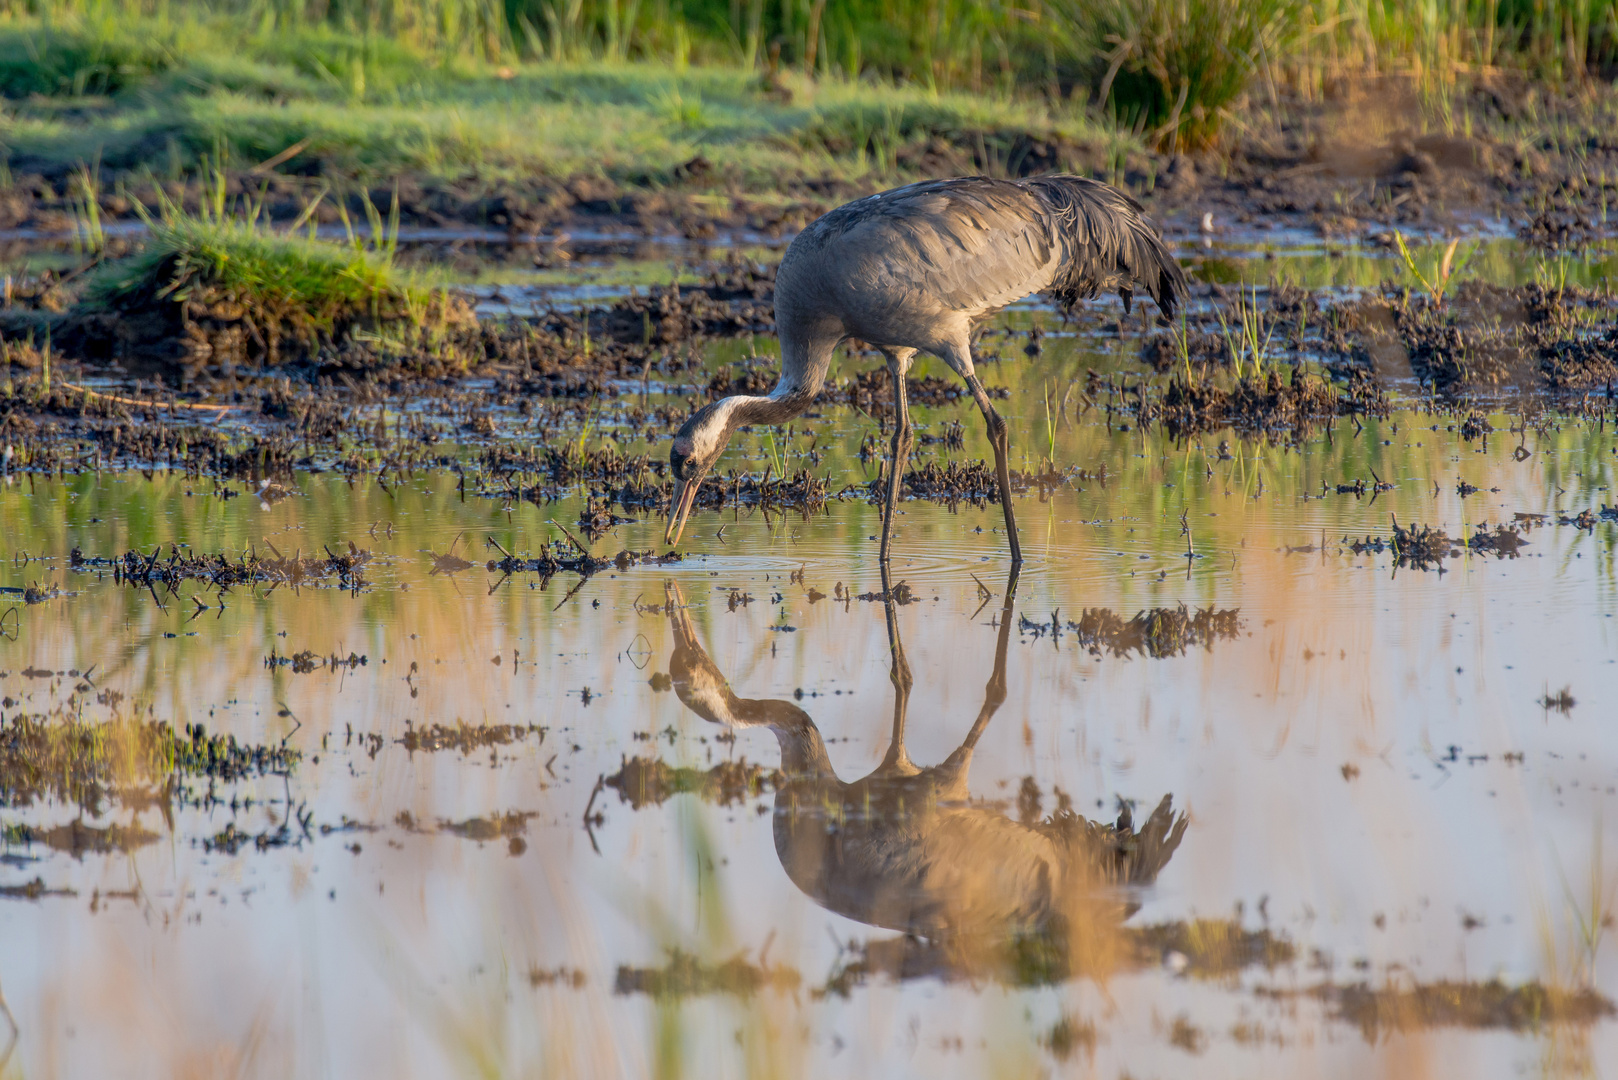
971	246
1109	242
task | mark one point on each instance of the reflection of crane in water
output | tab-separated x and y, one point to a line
904	848
915	269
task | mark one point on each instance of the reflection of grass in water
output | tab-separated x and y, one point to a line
1585	916
686	976
90	763
651	781
1091	941
771	1045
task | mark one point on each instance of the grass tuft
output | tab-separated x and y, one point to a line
1173	67
287	278
82	56
220	277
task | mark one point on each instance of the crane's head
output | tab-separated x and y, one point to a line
697	446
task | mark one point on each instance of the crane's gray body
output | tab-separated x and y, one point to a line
917	267
914	270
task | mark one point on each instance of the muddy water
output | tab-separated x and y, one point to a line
1385	782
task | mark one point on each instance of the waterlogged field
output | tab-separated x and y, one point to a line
1248	772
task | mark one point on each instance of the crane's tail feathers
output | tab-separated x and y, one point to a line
1117	854
1111	244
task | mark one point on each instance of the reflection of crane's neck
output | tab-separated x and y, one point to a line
803	751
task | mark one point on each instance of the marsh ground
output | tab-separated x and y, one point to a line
439	851
354	719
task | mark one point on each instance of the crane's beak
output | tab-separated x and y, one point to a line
685	496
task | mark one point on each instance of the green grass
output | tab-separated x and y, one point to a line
1172	67
1169	68
766	92
286	282
373	110
83	56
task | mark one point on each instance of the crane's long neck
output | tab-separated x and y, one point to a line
805	361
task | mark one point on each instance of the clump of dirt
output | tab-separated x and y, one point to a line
651	782
1421	546
1265	402
972	482
735	301
1446	353
686	976
464	738
185	311
1503	543
220	571
308	661
1203	348
901	594
167	318
1580	363
1158	633
1426	548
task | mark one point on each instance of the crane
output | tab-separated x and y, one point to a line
915	269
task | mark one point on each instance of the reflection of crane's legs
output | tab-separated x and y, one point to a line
994	693
897	761
898	366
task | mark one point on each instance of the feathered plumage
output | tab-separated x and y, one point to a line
914	270
968	247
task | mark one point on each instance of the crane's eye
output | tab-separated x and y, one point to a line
679	454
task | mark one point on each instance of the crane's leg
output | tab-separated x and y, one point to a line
954	347
898	365
1001	442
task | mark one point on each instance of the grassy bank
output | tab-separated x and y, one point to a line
1173	71
160	94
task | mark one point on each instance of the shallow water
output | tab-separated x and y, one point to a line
1400	775
1371	767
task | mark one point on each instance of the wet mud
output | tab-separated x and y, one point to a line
386	643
